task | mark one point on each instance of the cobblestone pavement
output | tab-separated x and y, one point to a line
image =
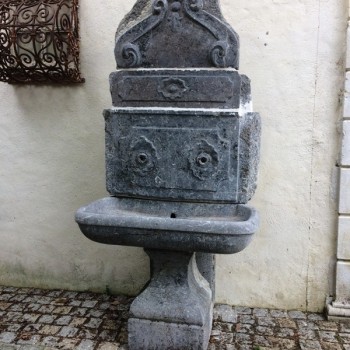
34	319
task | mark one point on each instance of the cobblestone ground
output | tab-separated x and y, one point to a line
34	319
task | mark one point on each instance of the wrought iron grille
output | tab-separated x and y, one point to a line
39	41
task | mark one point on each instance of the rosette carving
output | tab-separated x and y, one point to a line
143	156
203	160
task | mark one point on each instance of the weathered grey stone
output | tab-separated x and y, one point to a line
203	227
188	33
213	153
182	153
197	88
175	310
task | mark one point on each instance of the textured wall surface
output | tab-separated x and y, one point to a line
52	161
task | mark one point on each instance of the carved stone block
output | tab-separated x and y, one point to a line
182	155
176	88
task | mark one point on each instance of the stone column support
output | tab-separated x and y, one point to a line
340	307
176	306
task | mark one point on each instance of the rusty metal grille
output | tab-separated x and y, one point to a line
39	41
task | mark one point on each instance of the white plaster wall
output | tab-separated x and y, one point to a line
52	161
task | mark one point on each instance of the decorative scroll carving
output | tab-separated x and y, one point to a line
226	37
188	34
127	51
39	41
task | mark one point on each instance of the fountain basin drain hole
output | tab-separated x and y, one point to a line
173	216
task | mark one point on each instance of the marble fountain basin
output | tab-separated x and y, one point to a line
181	226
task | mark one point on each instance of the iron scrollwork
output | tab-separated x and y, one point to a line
39	41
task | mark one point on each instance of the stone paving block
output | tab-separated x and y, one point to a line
77	321
278	313
266	322
63	320
95	313
32	328
327	325
86	345
330	346
264	330
245	328
243	338
307	324
60	301
88	334
62	310
108	335
243	310
5	297
89	303
68	332
18	297
17	307
14	327
249	319
47	319
285	323
108	346
29	339
281	343
50	330
70	295
30	318
285	333
315	317
33	307
225	313
261	312
297	315
79	311
305	333
344	327
46	309
51	341
310	345
7	337
260	341
105	306
68	344
54	293
4	306
328	336
110	324
44	300
75	303
345	337
93	323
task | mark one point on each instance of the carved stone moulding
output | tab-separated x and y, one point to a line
39	41
176	88
176	33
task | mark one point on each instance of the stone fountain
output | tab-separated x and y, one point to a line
182	151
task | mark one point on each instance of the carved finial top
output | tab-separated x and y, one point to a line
176	33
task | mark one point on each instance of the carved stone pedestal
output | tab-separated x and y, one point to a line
175	310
